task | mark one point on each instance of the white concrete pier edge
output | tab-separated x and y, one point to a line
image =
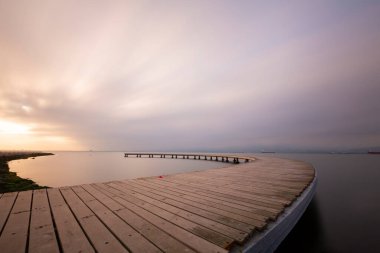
268	240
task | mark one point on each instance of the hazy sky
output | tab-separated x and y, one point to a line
189	75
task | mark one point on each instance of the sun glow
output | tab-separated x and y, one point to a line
15	136
7	127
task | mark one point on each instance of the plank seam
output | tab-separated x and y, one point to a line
30	218
127	222
54	224
122	197
10	211
200	236
108	193
193	206
186	197
109	229
80	225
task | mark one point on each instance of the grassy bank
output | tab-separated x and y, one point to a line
9	181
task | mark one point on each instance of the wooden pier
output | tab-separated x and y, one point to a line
227	158
215	210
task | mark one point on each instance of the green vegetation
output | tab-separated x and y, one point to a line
9	181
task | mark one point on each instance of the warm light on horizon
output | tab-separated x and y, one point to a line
16	136
12	128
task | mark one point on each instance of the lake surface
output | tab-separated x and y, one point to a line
73	168
344	215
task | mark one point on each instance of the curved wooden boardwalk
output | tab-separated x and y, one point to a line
203	211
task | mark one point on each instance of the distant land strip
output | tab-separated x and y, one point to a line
9	181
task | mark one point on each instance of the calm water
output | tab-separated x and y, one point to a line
73	168
344	216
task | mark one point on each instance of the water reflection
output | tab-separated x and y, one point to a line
346	217
308	234
73	168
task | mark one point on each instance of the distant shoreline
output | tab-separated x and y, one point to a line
9	181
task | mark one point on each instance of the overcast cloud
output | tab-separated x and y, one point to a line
190	75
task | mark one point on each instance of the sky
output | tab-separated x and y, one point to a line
189	75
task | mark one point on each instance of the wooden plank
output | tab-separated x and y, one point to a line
194	227
267	180
197	243
222	199
220	192
197	199
262	186
6	204
211	183
208	183
249	176
228	231
15	234
42	237
244	183
70	234
280	173
99	235
212	213
260	191
277	171
133	240
236	199
163	240
196	196
280	169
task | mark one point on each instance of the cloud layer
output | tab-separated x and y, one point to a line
189	75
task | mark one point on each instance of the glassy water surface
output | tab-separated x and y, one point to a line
344	215
73	168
